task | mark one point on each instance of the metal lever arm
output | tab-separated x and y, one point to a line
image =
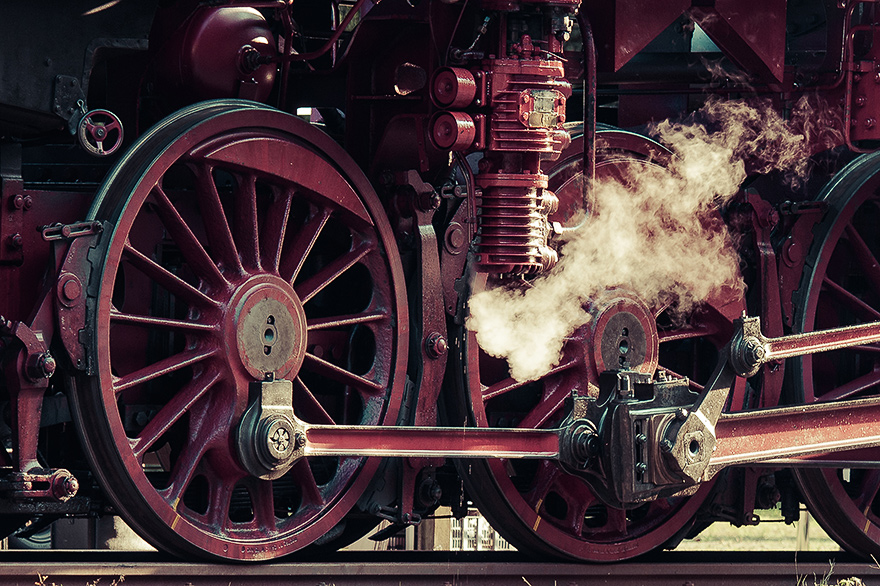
750	349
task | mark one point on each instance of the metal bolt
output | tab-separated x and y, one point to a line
28	202
18	201
16	241
299	440
870	122
436	345
64	485
641	467
641	439
666	446
681	413
754	352
71	289
46	365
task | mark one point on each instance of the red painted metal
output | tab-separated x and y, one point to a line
543	508
527	99
240	244
253	251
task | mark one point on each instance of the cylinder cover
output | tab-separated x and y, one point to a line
214	55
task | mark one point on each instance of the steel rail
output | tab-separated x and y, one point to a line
441	569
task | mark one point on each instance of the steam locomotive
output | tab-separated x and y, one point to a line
275	271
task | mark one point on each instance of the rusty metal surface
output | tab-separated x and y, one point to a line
439	569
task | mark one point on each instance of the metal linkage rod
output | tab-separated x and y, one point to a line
417	442
769	436
750	349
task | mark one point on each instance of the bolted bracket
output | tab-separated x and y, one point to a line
268	441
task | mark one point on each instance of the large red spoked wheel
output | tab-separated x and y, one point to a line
535	504
239	241
840	287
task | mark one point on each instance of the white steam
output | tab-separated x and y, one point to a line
655	232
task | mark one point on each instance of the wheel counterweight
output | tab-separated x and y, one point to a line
240	244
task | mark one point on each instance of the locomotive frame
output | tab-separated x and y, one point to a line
257	325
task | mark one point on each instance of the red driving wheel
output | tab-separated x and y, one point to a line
840	287
536	504
238	241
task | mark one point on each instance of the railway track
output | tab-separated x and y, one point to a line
74	568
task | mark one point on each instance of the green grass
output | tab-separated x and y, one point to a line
771	534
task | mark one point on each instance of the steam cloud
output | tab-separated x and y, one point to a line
655	233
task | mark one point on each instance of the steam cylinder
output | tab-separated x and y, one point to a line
215	54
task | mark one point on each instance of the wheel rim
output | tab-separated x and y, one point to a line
841	287
219	221
535	504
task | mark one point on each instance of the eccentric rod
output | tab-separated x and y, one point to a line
750	349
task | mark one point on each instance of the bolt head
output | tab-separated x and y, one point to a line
299	440
47	364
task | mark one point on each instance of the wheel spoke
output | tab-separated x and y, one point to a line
245	221
339	374
850	301
577	504
543	482
218	232
869	487
617	522
160	322
162	367
305	479
220	502
274	229
342	321
332	271
549	405
686	333
171	412
263	501
200	262
306	404
167	279
292	261
853	387
510	384
183	471
866	259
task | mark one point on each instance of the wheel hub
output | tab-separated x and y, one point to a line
624	334
270	328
